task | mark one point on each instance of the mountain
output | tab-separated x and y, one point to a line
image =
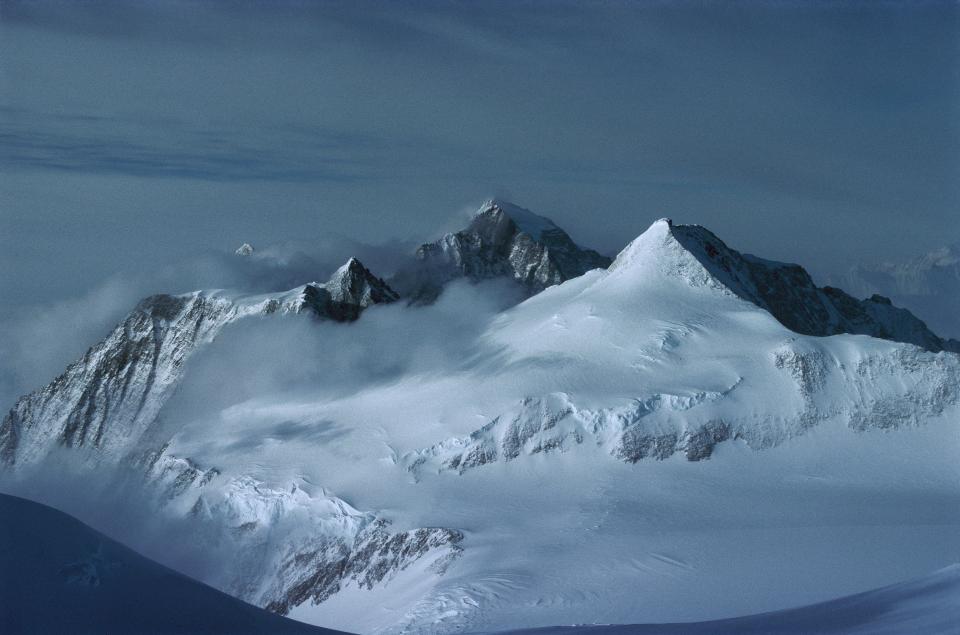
59	576
926	605
647	442
502	239
109	398
929	284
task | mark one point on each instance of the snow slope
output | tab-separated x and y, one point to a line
637	444
59	576
927	605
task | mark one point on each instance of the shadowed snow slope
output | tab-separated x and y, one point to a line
59	576
928	605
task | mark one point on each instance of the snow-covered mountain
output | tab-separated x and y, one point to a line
502	239
928	284
60	576
591	454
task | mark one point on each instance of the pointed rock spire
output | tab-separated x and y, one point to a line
351	289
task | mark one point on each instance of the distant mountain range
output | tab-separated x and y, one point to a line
644	439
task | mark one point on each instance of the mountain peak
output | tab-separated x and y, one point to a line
697	256
354	284
502	240
352	267
657	247
526	221
246	249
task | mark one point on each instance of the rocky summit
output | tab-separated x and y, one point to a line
502	240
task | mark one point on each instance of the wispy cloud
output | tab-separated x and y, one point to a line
170	148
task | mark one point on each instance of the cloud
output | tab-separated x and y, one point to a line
177	150
290	358
37	343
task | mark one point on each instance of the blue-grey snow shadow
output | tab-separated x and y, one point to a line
929	605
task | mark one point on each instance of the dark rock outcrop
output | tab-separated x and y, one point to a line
316	573
350	290
788	292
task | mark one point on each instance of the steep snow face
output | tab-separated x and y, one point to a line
788	292
61	576
928	284
593	456
501	240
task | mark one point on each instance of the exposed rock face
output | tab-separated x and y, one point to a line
246	249
350	290
317	572
279	564
555	424
501	240
789	293
109	398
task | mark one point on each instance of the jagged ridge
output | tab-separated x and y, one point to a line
788	292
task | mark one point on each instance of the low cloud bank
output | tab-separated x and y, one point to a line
39	340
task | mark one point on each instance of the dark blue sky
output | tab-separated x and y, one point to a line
136	136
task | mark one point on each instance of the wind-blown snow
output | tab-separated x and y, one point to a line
526	221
